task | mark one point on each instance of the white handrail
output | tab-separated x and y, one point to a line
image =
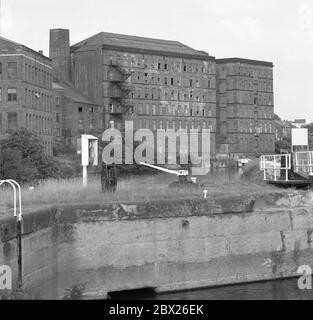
14	184
20	198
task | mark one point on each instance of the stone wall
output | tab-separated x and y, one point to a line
165	245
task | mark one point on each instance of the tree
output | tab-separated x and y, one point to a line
285	143
276	117
12	167
22	157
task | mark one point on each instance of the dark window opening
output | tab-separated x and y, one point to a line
172	81
80	109
12	95
12	121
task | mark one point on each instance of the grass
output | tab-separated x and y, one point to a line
138	188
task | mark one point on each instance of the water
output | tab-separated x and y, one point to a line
271	290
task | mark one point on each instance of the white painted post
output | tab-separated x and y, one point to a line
85	177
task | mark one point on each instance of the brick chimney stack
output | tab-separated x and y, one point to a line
60	54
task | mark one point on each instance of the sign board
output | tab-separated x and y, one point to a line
299	137
89	150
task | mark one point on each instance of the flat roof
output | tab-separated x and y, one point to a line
247	61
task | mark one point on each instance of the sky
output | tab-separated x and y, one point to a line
280	31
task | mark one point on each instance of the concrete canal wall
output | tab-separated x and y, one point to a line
165	245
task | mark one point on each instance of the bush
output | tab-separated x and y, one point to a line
13	167
22	158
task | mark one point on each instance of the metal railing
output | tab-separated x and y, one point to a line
275	167
19	216
15	187
303	162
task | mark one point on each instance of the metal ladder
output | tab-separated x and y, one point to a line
15	186
19	218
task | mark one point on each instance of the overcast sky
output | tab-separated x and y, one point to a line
273	30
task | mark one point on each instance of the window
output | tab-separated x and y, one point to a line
0	67
172	81
12	121
165	66
80	109
12	95
165	80
57	117
57	102
190	81
12	70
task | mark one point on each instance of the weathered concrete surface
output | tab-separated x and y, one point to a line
164	245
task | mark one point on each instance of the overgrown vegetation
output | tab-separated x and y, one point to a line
75	293
132	188
284	144
18	292
23	159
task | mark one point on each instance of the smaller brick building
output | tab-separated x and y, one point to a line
282	129
75	114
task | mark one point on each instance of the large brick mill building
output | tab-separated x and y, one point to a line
245	105
26	92
159	84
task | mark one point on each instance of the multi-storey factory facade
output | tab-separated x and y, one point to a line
245	106
106	79
158	84
26	92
